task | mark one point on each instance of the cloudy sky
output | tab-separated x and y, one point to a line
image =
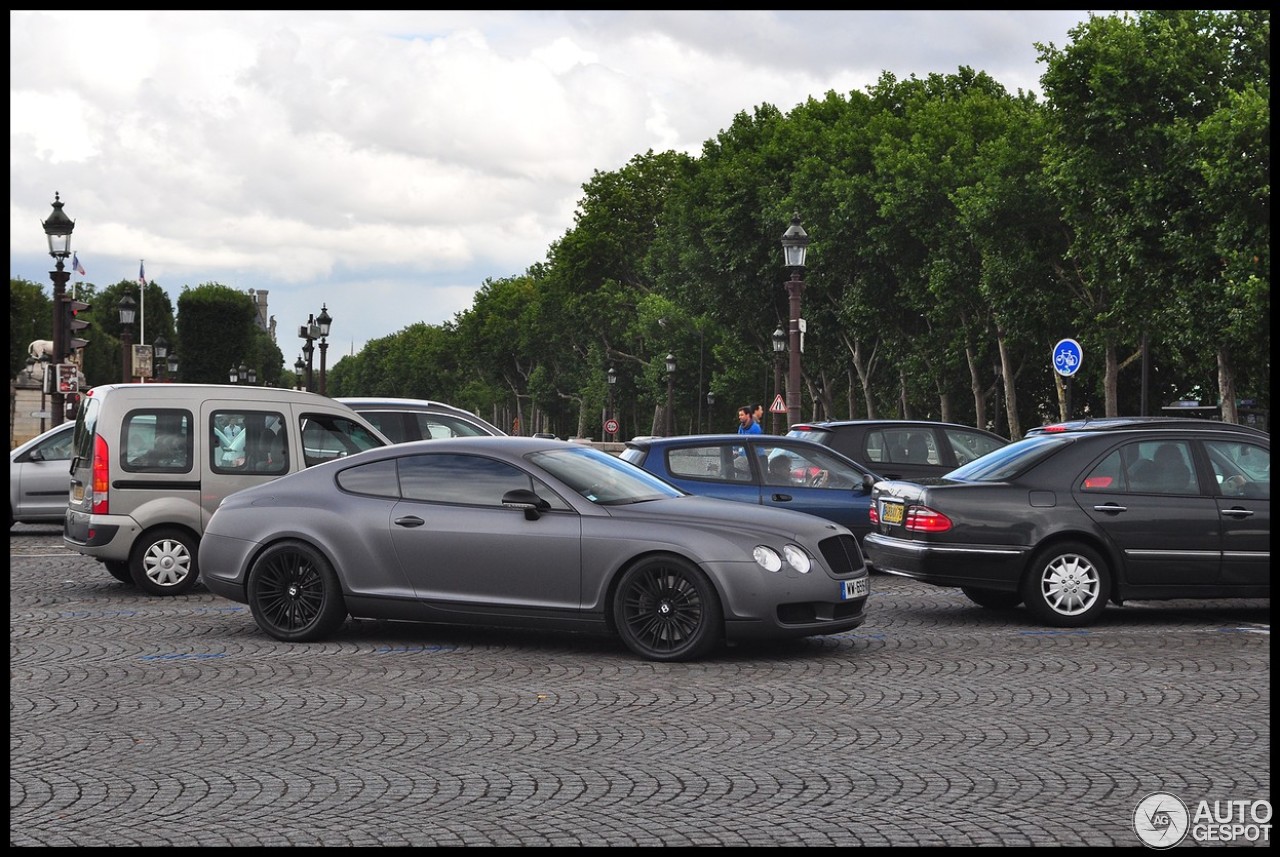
386	163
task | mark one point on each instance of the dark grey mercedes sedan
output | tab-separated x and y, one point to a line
1072	518
529	533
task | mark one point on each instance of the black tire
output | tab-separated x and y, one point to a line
992	599
665	609
294	593
164	562
1067	586
119	569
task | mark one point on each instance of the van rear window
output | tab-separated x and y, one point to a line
157	441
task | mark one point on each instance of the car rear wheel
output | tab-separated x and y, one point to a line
665	609
294	593
1067	586
163	562
993	599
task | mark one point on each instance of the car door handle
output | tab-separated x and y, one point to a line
1237	513
782	498
409	521
1110	507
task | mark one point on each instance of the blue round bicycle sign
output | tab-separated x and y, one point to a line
1067	356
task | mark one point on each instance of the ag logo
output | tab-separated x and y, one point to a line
1161	820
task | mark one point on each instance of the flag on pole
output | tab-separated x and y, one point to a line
142	274
75	264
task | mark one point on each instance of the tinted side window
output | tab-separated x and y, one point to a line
434	426
156	441
719	463
378	479
908	446
392	425
465	479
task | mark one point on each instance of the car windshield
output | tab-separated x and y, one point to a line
604	479
1005	463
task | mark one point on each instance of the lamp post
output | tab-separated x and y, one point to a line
128	312
308	334
233	375
613	379
711	400
173	367
58	230
161	349
671	389
779	346
795	242
323	321
299	368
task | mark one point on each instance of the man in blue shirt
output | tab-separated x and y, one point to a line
747	422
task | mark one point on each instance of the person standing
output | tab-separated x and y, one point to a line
747	422
757	413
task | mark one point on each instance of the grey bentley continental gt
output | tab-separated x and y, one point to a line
528	533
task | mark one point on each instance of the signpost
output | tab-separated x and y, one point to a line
611	426
1066	358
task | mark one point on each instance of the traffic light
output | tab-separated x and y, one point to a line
72	324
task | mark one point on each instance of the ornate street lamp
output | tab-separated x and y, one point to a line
128	312
173	367
234	374
779	346
57	230
671	387
299	369
795	243
711	400
323	321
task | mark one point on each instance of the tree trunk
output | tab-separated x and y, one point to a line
1010	388
1227	388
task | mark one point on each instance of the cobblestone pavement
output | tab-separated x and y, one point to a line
175	721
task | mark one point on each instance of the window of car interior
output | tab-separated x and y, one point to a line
472	480
157	441
1240	469
248	441
713	462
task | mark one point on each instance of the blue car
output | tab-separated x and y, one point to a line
767	470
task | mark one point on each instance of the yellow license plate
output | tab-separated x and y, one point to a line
891	513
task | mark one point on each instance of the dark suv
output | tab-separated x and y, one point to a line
902	449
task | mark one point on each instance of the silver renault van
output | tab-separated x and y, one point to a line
151	462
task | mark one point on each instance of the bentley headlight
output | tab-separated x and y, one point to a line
797	559
767	558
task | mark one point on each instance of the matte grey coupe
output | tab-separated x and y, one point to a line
529	533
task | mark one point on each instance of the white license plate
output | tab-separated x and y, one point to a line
855	588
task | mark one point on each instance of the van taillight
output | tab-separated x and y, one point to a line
101	500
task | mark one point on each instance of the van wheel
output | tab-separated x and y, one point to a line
163	562
294	593
119	569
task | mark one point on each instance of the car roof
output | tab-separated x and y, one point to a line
830	424
1104	424
397	403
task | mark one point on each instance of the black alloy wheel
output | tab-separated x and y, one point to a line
294	593
665	609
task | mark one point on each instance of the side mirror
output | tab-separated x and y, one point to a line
530	503
869	481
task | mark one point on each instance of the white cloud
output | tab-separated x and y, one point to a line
387	163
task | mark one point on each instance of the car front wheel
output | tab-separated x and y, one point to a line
665	609
1067	586
163	562
294	594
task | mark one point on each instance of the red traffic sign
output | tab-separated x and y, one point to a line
778	406
611	426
